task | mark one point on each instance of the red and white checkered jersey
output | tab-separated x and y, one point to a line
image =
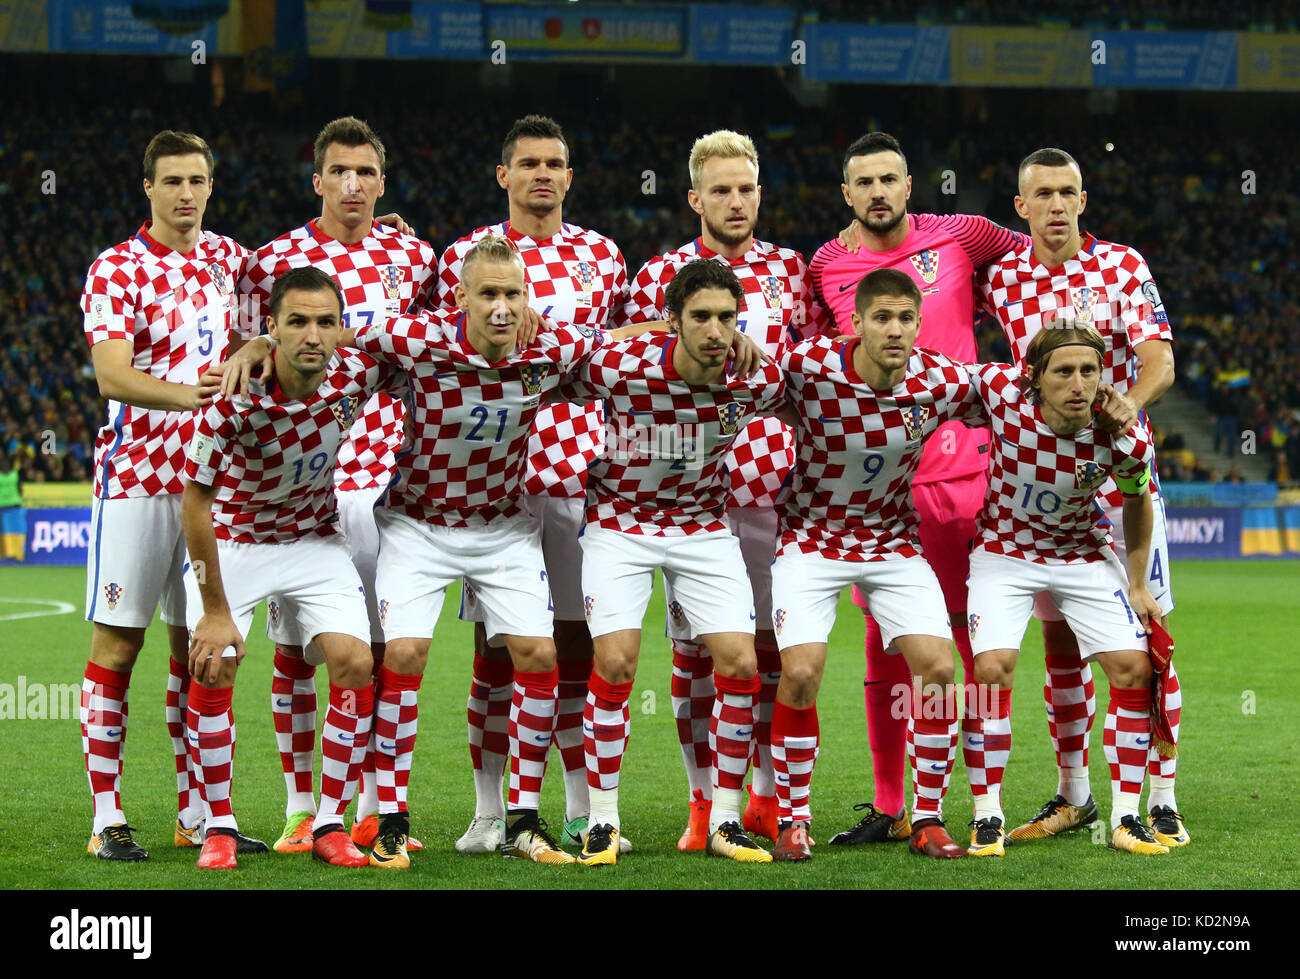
178	311
1105	284
850	498
773	313
382	275
272	458
1042	498
576	276
940	252
663	472
471	415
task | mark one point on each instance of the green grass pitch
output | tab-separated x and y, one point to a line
1237	657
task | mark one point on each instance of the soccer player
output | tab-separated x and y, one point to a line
1062	272
160	309
382	272
260	519
574	275
1039	531
866	405
940	252
725	193
657	499
455	510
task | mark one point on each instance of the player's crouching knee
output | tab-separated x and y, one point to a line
351	664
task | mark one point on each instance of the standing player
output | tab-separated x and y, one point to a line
662	505
577	276
382	273
725	193
160	308
1039	531
1062	272
940	253
260	518
454	510
865	407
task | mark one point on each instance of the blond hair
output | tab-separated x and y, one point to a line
492	248
722	143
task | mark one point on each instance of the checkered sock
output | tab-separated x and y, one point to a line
986	746
367	796
1127	739
1164	770
103	740
886	727
344	740
731	733
692	696
490	693
293	708
970	690
532	729
606	727
931	748
1071	706
795	740
211	725
396	721
189	805
571	701
769	675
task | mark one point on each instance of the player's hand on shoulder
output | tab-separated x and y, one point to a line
395	222
531	324
1114	411
254	357
851	236
747	357
195	397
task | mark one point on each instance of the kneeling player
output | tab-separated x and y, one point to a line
1038	531
866	404
260	519
657	499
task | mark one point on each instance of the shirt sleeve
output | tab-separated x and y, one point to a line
425	294
645	295
1142	310
962	397
982	240
448	277
109	302
619	300
255	292
770	389
994	383
207	456
590	377
402	341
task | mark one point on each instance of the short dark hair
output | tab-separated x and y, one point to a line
873	143
1048	156
169	142
532	127
700	273
885	282
307	279
347	131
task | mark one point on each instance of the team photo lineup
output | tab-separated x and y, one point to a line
342	423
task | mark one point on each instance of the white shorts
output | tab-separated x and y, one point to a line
315	573
757	529
904	595
1092	596
706	571
562	521
1158	582
135	560
501	563
357	521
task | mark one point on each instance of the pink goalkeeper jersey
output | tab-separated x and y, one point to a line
941	253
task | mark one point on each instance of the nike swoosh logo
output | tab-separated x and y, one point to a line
263	445
972	743
937	768
112	734
388	745
851	285
1142	740
210	738
283	703
541	738
753	617
823	420
588	729
783	778
1010	302
347	737
744	734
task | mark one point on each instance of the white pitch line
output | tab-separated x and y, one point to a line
59	608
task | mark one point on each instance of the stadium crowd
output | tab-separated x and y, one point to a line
1210	214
